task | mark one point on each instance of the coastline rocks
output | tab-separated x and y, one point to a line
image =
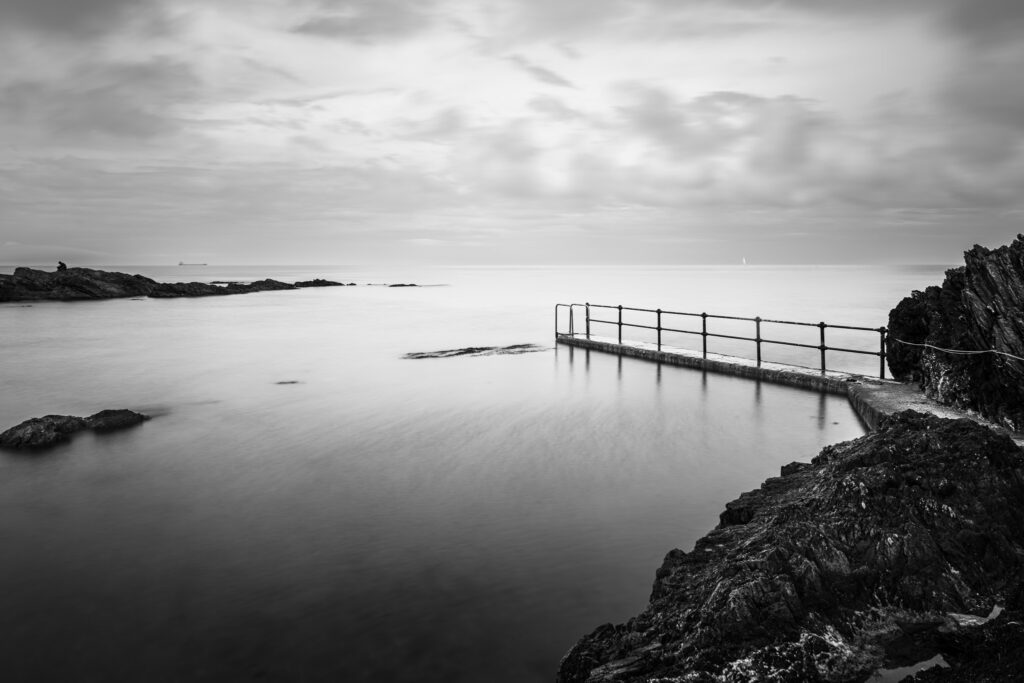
979	307
825	574
319	282
73	284
38	433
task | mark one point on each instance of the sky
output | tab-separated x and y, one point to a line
509	131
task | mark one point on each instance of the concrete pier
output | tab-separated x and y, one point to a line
873	399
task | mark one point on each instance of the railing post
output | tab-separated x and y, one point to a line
821	327
588	320
620	325
757	338
659	329
704	333
881	352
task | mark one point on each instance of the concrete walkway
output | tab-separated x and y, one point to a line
873	399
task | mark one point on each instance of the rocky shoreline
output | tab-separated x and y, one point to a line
836	568
901	547
83	284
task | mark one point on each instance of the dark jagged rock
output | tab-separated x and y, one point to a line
979	307
823	575
110	420
403	285
512	350
42	432
990	653
39	433
72	284
318	282
196	289
27	284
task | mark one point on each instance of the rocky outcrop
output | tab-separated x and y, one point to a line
72	284
514	349
978	309
826	573
320	282
39	433
111	420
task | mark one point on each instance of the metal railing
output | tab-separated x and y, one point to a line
704	334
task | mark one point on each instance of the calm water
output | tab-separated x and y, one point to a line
462	519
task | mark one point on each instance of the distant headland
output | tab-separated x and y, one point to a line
77	284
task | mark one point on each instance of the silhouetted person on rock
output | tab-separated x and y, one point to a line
61	266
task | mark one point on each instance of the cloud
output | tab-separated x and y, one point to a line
540	73
78	19
368	21
438	127
553	108
986	22
134	100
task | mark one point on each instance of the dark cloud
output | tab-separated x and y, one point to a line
984	22
74	18
983	89
119	100
540	73
368	21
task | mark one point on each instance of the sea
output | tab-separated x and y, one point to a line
307	504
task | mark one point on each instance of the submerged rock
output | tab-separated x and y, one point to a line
978	309
822	575
478	351
44	432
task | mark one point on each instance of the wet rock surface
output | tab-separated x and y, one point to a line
850	563
990	653
73	284
39	433
512	350
979	307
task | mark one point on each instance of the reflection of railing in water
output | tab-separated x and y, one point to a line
704	334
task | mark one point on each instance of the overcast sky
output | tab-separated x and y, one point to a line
519	131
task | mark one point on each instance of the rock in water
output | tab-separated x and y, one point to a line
42	432
27	284
978	308
819	575
318	282
109	420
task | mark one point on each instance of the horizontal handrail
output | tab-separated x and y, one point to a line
821	347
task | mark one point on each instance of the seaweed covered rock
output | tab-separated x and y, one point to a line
821	574
978	309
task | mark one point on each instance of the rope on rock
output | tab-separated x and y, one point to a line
956	351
